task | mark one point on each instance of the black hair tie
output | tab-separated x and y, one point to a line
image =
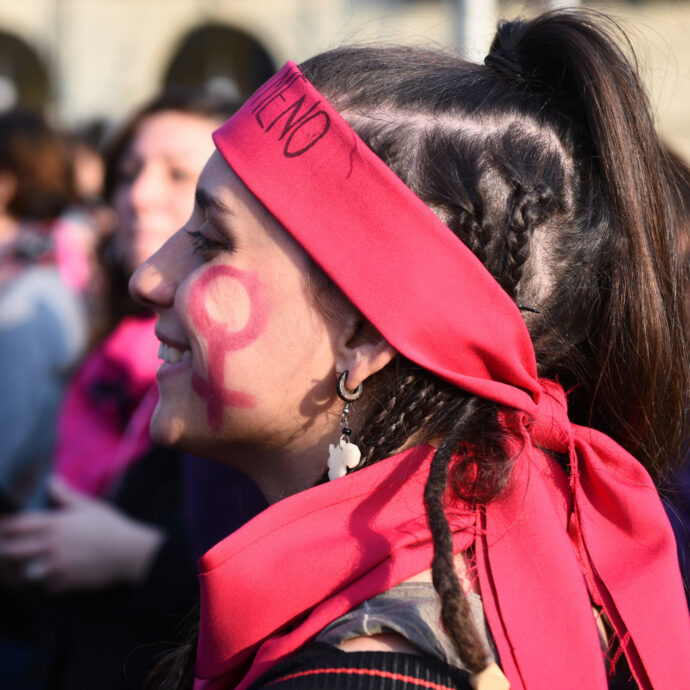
504	66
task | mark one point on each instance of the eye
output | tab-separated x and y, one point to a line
181	175
205	245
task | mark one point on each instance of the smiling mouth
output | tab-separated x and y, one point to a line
173	355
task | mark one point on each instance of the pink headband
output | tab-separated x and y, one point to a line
422	288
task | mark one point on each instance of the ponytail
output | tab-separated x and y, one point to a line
572	63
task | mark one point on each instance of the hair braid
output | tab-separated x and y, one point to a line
527	210
421	402
384	425
412	404
475	234
455	609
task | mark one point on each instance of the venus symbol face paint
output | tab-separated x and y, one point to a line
222	340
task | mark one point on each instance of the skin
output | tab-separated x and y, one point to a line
84	543
158	173
223	340
287	364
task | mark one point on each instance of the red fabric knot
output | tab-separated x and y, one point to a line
552	429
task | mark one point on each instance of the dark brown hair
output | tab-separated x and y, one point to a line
546	163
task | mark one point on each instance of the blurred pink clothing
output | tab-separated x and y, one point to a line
75	242
104	421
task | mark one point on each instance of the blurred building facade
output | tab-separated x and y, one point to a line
86	59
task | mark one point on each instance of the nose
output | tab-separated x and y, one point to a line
155	282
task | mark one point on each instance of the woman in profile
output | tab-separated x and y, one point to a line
432	308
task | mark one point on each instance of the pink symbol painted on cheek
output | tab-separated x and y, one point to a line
221	340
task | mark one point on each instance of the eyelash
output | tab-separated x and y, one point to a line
203	244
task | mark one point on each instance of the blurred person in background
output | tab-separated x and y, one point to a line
113	551
42	335
150	175
84	226
42	330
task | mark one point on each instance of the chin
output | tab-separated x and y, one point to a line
173	431
168	430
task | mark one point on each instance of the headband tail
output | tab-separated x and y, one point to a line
606	541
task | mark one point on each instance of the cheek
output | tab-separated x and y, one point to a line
227	308
228	303
228	311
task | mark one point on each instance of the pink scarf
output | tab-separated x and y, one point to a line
545	550
104	421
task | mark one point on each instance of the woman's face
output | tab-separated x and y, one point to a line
249	360
157	175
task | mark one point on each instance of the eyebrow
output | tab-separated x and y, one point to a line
207	201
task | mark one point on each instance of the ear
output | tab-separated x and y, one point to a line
362	351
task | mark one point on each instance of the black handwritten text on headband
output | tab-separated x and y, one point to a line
301	130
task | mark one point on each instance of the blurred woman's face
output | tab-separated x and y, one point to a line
249	360
157	175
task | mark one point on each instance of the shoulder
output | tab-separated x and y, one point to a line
405	618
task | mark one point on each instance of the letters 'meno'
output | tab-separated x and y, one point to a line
300	129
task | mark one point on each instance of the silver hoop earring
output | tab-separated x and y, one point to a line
345	455
344	394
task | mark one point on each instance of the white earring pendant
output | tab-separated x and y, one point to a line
344	456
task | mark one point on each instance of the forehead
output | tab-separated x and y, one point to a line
221	190
174	134
219	186
223	193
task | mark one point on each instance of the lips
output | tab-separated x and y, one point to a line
173	351
173	355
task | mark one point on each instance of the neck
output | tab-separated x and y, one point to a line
283	469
